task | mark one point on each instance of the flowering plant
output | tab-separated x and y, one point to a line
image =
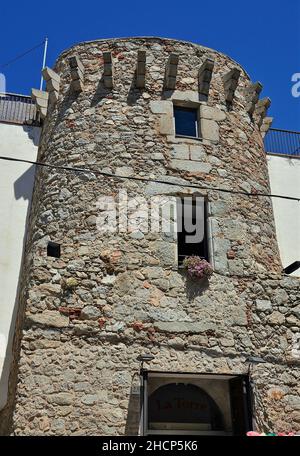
197	267
270	434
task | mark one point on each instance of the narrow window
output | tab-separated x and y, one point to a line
191	228
53	249
186	122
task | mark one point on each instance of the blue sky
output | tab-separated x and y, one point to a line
262	35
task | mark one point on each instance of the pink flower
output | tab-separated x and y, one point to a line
197	267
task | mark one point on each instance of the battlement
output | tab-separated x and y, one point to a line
168	60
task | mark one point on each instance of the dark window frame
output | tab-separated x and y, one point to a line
179	109
198	249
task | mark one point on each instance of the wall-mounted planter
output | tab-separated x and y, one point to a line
197	268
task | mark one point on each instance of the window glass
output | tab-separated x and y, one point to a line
186	121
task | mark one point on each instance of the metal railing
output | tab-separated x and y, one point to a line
17	109
282	142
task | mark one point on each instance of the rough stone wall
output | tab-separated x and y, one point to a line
79	346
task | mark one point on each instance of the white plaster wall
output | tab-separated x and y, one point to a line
16	184
284	175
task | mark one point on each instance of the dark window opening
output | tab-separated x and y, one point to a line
183	406
196	404
53	249
191	212
186	122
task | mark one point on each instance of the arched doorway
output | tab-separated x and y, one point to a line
183	407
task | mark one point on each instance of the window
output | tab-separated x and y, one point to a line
186	121
53	249
191	228
196	404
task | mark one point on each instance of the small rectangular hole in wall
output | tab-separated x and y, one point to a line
186	121
53	249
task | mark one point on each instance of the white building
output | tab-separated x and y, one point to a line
283	156
16	184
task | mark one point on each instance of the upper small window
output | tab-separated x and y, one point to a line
186	121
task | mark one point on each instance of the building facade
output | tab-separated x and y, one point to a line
172	120
17	139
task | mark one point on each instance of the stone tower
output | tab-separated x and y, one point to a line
224	350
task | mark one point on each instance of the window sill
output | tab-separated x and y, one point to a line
188	137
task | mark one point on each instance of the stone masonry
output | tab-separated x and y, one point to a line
86	316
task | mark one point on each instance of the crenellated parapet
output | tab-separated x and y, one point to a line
205	75
141	70
252	97
52	84
231	81
171	71
108	70
77	74
173	76
266	125
262	109
41	99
